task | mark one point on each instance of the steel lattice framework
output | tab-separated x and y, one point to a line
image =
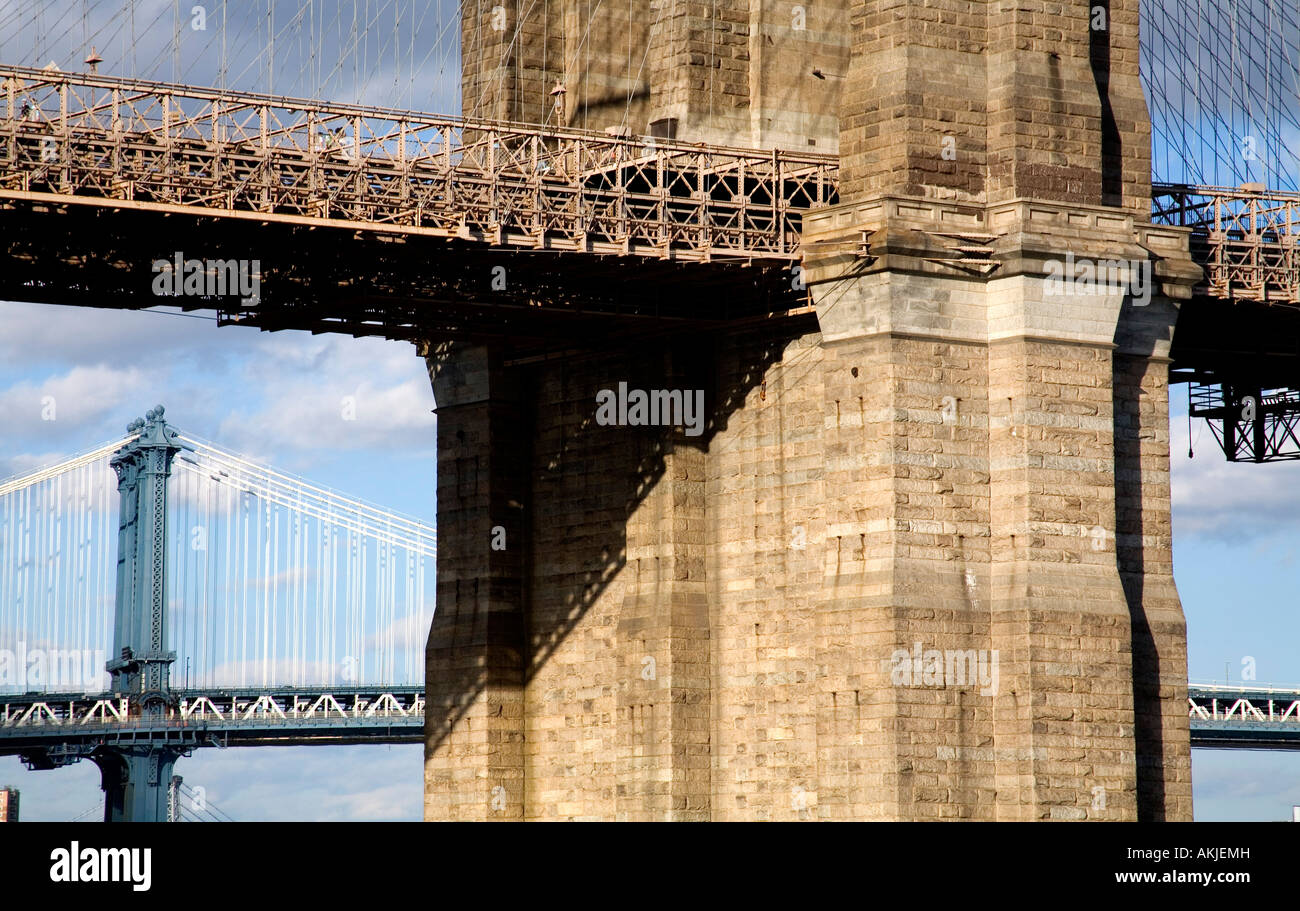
48	731
129	144
172	148
1252	425
1248	238
1249	718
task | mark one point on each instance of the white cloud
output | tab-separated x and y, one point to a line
319	784
61	405
409	632
334	394
1215	498
291	399
27	462
1245	785
41	334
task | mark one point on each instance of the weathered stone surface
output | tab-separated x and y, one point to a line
955	458
752	73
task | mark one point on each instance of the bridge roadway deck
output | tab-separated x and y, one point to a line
147	145
234	170
1244	718
286	716
32	723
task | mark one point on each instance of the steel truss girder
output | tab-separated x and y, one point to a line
1248	239
1250	424
155	146
1244	717
73	726
352	282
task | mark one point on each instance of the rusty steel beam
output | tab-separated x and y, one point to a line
1247	238
125	143
107	142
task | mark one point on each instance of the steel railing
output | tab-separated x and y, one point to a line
151	145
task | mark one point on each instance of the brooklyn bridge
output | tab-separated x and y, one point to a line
933	269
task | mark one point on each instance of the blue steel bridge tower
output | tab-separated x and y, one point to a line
135	777
136	732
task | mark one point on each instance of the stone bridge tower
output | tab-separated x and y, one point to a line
919	564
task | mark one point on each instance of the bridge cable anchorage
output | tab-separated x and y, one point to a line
974	251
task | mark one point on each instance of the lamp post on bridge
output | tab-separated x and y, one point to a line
136	779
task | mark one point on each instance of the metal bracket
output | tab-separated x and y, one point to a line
864	246
973	249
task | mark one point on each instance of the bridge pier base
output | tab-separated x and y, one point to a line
1012	436
474	764
135	782
1144	553
917	565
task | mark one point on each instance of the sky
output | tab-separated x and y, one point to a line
279	397
1237	567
